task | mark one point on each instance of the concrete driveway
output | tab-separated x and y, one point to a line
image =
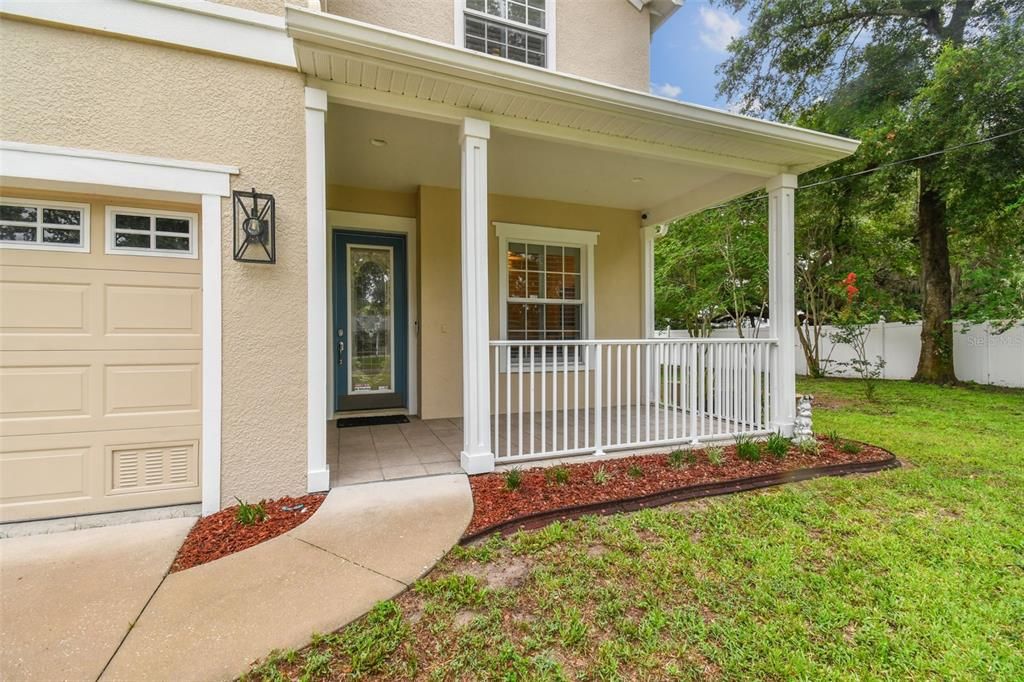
94	604
67	600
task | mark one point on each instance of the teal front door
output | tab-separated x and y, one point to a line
371	344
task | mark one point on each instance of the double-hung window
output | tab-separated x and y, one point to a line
49	225
546	288
151	233
519	30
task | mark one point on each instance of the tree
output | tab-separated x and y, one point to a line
713	266
881	62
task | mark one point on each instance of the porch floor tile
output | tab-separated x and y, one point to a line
377	453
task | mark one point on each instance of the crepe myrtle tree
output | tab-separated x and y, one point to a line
890	65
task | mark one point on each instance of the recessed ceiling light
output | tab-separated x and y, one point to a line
378	141
638	179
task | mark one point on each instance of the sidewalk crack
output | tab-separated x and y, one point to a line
132	624
351	561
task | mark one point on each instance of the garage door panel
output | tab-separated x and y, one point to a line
83	473
44	308
44	392
44	475
72	309
35	392
153	311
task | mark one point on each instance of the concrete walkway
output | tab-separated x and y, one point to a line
365	543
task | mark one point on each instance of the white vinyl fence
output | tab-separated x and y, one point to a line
979	354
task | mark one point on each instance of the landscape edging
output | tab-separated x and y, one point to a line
692	492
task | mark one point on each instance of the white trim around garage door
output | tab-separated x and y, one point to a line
186	179
386	224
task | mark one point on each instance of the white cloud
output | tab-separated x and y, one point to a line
666	90
719	28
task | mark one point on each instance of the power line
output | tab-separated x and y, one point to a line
875	169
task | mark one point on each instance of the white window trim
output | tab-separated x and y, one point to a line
40	204
549	31
585	240
193	222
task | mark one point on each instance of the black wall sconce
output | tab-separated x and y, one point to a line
255	226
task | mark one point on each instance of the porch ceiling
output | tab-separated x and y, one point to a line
702	155
423	152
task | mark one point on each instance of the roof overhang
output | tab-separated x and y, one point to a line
366	66
658	10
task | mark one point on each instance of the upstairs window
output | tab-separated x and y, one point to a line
513	29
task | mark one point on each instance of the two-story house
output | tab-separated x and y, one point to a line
465	196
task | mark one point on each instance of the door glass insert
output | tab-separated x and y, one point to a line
371	319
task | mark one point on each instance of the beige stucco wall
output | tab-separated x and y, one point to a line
604	40
83	90
433	19
617	274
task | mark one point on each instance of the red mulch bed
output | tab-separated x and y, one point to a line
494	504
219	535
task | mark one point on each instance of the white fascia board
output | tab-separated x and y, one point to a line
346	35
193	24
85	166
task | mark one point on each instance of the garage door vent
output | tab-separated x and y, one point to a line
153	467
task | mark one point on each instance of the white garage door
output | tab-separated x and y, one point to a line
100	347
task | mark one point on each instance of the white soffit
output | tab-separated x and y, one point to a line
194	24
368	66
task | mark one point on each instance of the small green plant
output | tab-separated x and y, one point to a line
558	475
832	435
777	445
513	479
850	447
250	514
748	449
809	447
678	458
635	471
716	455
601	476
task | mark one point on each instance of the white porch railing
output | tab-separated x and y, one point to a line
563	398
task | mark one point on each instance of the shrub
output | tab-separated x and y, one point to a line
748	449
513	479
832	435
677	458
777	445
635	471
850	447
250	514
601	476
558	475
716	455
809	447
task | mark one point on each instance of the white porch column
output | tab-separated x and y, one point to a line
318	474
477	456
781	296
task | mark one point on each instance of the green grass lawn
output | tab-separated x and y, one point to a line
914	573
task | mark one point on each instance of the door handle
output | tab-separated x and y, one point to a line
341	347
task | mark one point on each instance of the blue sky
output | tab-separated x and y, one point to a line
686	49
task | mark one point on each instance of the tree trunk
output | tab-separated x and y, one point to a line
935	364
